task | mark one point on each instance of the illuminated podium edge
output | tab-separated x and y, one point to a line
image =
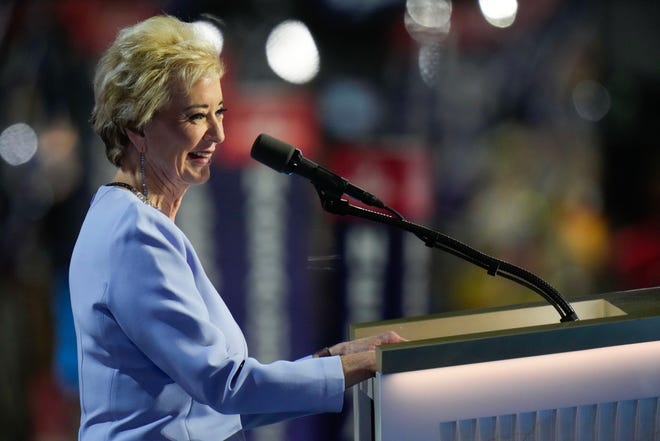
518	335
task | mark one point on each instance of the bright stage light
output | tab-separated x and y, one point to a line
209	32
499	13
429	13
292	53
428	21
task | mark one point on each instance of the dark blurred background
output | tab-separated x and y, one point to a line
526	129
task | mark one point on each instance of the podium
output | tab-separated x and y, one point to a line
517	374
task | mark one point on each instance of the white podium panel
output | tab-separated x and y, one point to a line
564	396
517	374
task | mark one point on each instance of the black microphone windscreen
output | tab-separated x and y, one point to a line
272	152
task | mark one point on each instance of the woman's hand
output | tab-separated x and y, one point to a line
358	357
366	343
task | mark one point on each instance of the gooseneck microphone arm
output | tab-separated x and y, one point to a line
330	187
434	239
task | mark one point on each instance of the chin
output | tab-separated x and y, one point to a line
197	177
196	182
201	178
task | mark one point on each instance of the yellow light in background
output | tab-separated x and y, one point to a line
60	165
292	53
584	235
18	144
499	13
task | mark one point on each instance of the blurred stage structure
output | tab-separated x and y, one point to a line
515	374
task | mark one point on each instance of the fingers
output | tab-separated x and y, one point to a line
370	343
358	358
392	337
366	344
387	337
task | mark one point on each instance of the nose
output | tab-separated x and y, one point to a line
216	131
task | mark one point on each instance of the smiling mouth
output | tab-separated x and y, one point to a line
200	155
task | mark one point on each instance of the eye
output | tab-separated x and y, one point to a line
196	117
220	111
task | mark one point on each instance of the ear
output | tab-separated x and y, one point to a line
137	139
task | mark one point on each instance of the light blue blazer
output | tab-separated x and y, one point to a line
160	356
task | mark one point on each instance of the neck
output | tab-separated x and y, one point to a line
166	201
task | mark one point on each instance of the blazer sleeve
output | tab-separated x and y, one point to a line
154	299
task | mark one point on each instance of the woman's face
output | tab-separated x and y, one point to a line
182	137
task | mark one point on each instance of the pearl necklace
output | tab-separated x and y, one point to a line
132	189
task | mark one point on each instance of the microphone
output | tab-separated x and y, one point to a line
285	158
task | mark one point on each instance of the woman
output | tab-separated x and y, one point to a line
160	356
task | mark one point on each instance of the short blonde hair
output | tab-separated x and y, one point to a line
137	74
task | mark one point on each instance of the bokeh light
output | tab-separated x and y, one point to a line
429	13
430	63
211	33
499	13
428	21
292	53
591	100
349	108
18	144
